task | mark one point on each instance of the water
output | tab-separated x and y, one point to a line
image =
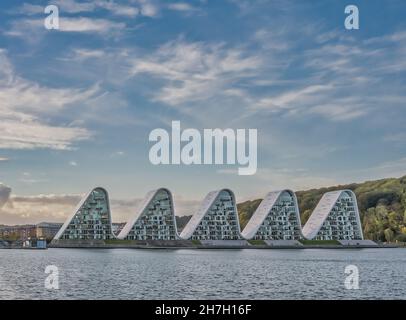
203	274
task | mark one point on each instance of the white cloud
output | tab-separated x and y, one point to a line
339	112
136	7
338	83
148	8
74	7
32	134
23	106
32	181
19	95
117	154
61	199
30	9
195	71
32	29
180	6
272	39
289	99
83	54
66	24
183	7
120	10
4	159
90	25
73	163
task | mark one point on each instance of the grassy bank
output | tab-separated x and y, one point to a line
320	242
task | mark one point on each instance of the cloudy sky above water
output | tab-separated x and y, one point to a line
77	104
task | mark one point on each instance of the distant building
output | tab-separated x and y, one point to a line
42	230
46	230
21	232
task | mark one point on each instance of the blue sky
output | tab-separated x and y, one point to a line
77	104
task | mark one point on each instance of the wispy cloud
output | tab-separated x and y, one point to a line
84	54
90	25
29	181
340	111
287	100
130	9
24	103
340	84
98	26
28	9
32	134
72	6
195	71
117	154
183	7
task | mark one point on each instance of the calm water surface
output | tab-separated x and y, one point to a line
203	274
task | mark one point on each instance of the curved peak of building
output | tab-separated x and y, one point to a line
216	218
336	216
154	218
91	219
276	218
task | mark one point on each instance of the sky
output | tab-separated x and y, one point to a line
77	104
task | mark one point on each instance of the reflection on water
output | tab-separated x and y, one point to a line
203	274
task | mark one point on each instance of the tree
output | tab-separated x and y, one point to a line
389	235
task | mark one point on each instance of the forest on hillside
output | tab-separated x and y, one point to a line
382	205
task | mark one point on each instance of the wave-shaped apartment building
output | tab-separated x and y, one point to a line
277	218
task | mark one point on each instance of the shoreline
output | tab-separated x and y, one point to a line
213	247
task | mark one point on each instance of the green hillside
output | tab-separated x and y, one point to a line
382	204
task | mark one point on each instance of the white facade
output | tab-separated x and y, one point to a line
216	219
276	218
91	220
154	219
336	217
